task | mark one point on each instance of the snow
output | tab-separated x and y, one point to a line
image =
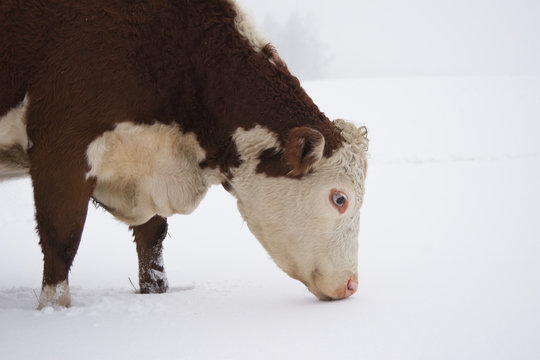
448	260
395	38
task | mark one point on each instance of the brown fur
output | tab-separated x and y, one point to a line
301	150
89	64
149	239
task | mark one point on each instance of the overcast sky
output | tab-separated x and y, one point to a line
404	38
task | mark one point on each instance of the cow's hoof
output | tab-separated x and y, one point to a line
55	296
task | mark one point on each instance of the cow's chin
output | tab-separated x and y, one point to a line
329	288
321	278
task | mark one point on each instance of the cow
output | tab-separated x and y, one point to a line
141	106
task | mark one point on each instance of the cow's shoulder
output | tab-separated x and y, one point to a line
142	170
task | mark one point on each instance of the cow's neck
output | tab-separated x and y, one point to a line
257	89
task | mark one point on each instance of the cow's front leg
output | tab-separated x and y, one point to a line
149	239
61	195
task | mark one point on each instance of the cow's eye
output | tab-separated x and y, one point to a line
339	200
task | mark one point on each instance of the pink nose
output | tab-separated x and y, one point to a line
352	286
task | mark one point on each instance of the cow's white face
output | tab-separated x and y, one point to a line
308	225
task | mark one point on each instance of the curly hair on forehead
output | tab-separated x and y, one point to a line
353	134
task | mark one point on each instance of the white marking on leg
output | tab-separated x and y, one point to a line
55	295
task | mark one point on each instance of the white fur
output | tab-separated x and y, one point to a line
144	170
13	133
55	295
295	220
246	28
13	126
250	143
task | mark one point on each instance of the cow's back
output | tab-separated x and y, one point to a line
110	57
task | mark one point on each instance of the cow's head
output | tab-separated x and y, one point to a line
308	220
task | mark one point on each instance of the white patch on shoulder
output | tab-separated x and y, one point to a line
55	296
247	30
147	170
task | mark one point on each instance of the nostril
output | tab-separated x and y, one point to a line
352	286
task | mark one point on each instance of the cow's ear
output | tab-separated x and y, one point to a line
303	150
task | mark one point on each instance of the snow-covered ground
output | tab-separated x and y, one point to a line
449	250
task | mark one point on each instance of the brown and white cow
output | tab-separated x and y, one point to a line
142	105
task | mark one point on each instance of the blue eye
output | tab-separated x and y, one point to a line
339	200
